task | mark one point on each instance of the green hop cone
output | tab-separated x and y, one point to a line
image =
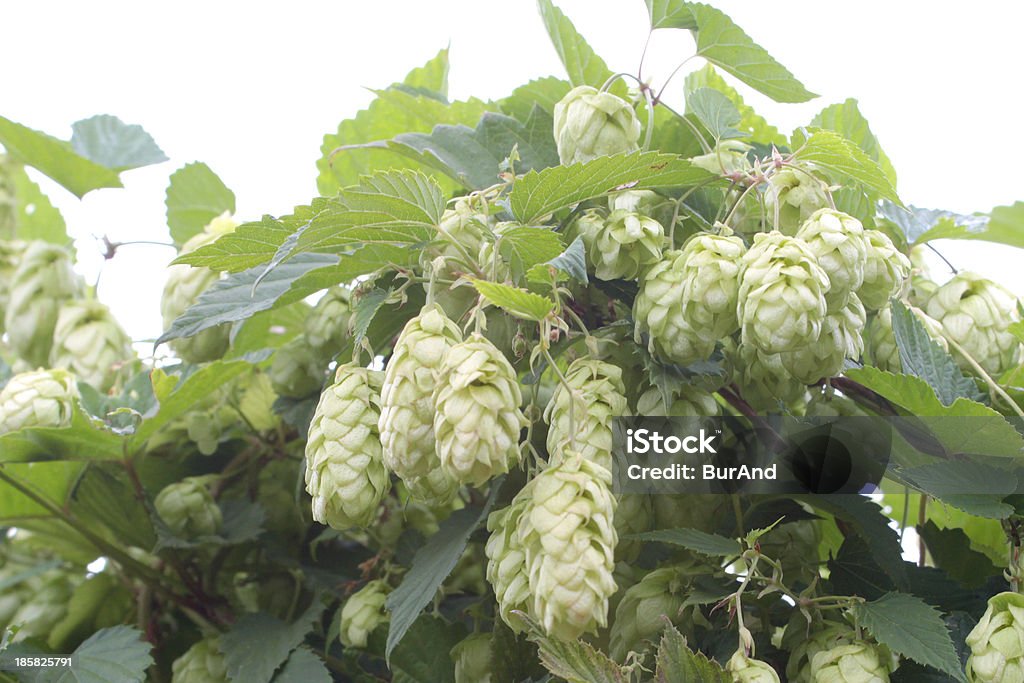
89	342
710	283
478	418
624	245
781	295
296	371
793	195
472	657
727	158
569	539
795	547
506	558
11	254
763	378
839	339
188	509
643	202
41	398
582	418
880	348
460	236
201	663
45	606
747	670
803	644
327	324
975	313
837	240
345	472
363	612
857	662
42	283
591	124
407	397
658	312
997	642
885	271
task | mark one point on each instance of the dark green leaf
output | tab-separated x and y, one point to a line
82	440
302	666
750	122
844	160
365	311
716	112
195	196
572	262
573	661
676	663
51	481
974	487
951	549
543	93
424	655
104	497
258	644
110	654
693	539
109	141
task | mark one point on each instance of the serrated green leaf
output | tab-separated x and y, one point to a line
844	160
951	550
432	77
55	159
83	439
670	14
195	196
302	666
249	245
525	246
1005	226
581	63
537	194
694	539
110	142
572	661
519	302
258	644
268	330
365	311
51	481
716	112
912	628
846	119
924	225
111	654
424	655
676	663
542	92
750	122
572	262
974	487
104	498
37	218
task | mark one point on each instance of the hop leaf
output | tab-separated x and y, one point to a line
591	124
581	415
42	398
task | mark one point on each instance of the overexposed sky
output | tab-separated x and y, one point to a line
251	88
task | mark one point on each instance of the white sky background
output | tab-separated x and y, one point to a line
251	88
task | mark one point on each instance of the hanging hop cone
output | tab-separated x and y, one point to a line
569	541
582	419
201	663
42	283
839	339
345	472
11	254
506	558
837	240
643	202
880	348
327	324
460	232
659	314
477	419
975	313
763	378
363	612
187	507
710	283
795	194
296	371
997	642
803	646
472	657
89	342
41	398
591	124
782	294
184	285
885	271
728	157
747	670
624	245
407	403
857	661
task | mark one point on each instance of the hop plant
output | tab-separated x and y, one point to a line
710	283
89	342
975	313
781	295
837	240
793	195
41	398
477	420
345	472
640	615
885	271
591	124
472	657
839	339
763	378
327	324
506	558
296	372
747	670
633	515
407	403
201	663
658	312
188	509
43	281
997	642
728	157
11	253
569	540
581	414
363	612
624	244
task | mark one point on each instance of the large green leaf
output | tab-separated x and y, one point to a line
582	64
109	141
525	246
573	661
424	656
671	14
518	302
51	481
951	550
846	119
251	244
676	663
538	194
750	122
112	654
718	114
696	540
258	644
542	92
924	225
195	196
36	217
302	666
83	439
844	160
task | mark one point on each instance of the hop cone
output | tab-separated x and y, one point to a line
763	378
477	419
975	313
625	243
327	324
296	372
837	240
804	646
407	404
997	642
188	508
11	253
747	670
782	294
641	612
857	662
506	558
437	486
569	541
884	271
839	339
363	612
795	194
345	472
658	312
43	281
41	398
472	657
633	515
89	342
728	157
710	283
582	419
460	232
880	347
591	124
643	202
201	663
46	607
685	401
795	547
